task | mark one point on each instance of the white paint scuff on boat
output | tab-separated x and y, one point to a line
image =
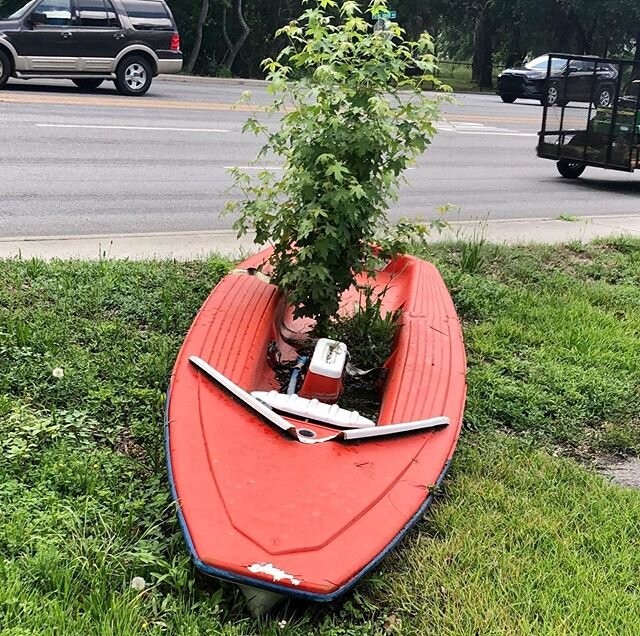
272	570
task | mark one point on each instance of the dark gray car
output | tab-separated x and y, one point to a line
564	79
89	41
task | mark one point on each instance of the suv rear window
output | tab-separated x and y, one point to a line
148	15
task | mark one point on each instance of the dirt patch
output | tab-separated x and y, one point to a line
127	445
625	472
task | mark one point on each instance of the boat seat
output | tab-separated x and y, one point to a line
331	414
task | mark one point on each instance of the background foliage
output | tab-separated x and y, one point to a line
498	31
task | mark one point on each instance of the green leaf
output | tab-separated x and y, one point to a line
337	170
346	135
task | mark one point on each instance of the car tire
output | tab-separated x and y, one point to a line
551	96
508	99
133	76
604	97
87	84
5	68
570	169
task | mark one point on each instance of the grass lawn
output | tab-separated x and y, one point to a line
458	76
523	539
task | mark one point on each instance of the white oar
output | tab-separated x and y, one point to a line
306	436
392	429
241	394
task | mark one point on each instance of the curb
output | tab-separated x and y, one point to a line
221	81
189	245
221	234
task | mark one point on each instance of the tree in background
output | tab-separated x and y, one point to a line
7	7
230	37
197	44
233	36
234	47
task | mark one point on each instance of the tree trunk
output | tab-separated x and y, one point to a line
195	51
231	53
580	40
584	36
562	33
514	56
635	73
589	37
225	34
481	71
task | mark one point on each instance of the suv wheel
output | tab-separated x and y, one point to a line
5	68
603	97
133	76
87	84
508	99
551	96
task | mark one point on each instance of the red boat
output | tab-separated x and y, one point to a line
289	500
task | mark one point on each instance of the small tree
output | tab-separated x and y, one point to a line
354	117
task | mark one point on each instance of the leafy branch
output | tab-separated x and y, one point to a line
353	118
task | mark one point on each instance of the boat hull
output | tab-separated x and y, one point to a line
261	509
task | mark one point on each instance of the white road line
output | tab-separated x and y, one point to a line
495	132
253	167
473	128
271	168
214	130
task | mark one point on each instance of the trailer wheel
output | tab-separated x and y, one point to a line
570	169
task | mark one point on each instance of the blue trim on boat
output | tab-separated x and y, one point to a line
272	587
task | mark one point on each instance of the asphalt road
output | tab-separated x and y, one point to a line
76	163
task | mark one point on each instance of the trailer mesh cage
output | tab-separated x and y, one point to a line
591	112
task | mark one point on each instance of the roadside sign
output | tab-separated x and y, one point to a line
386	15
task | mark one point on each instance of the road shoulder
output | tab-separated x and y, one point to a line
200	244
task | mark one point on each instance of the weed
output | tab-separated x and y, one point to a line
473	250
368	332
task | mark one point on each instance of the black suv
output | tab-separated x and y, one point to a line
570	80
89	41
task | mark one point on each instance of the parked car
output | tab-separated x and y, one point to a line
89	41
569	81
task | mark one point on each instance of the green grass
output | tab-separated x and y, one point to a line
519	542
370	333
552	337
458	76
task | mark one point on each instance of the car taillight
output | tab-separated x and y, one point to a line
175	42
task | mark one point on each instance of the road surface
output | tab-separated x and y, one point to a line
75	163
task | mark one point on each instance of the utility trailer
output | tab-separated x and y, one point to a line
577	134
